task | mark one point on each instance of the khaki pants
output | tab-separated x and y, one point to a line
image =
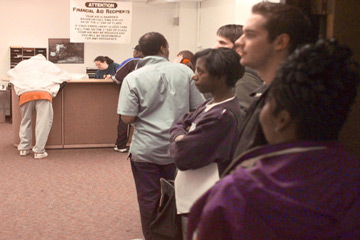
44	120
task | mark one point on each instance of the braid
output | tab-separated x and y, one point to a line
317	85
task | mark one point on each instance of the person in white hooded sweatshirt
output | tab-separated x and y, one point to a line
36	81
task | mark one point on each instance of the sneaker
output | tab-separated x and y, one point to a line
40	155
24	152
122	150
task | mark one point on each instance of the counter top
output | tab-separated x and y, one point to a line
90	80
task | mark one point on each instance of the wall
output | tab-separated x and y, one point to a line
213	15
346	30
30	23
188	26
216	13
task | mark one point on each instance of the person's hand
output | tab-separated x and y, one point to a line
178	138
108	77
178	59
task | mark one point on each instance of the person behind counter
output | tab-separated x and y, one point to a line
106	66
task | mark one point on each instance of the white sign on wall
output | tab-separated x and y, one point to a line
100	21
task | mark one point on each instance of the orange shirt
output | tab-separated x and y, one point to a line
34	95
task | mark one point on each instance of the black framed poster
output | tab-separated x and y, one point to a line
61	50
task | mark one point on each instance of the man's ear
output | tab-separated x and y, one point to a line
283	120
162	50
282	42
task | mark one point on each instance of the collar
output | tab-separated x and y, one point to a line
251	156
151	60
209	105
260	91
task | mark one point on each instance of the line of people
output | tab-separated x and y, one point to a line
247	130
278	170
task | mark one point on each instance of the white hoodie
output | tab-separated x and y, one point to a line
37	74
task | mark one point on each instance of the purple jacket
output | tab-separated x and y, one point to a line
213	140
303	190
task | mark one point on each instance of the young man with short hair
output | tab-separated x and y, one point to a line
226	37
271	33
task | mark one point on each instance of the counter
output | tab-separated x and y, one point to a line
84	115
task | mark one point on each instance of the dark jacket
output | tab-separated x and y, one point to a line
251	134
110	70
209	136
245	86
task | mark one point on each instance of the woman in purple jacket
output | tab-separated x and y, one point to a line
304	185
203	142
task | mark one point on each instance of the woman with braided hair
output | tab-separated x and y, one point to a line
304	185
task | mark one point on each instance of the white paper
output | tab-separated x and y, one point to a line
191	184
100	21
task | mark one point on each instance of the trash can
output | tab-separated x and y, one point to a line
3	101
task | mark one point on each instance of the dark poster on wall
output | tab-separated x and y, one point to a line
61	50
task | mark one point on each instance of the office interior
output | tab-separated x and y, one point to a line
97	184
187	24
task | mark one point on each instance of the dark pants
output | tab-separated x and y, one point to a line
122	137
147	181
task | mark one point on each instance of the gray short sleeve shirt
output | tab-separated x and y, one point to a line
158	94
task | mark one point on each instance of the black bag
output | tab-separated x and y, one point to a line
167	224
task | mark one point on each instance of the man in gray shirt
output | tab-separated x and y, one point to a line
152	99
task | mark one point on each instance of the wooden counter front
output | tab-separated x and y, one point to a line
84	115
